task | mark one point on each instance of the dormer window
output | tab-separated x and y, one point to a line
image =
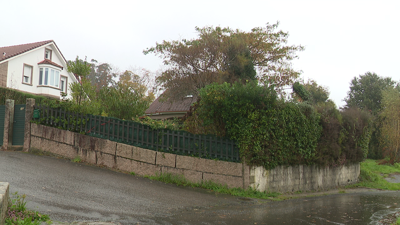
47	54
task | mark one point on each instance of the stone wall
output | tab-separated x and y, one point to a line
3	74
4	198
302	178
134	159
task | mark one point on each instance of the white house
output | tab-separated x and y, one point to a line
37	68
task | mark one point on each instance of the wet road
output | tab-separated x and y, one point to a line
75	192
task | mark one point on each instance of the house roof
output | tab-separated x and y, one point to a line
14	50
46	61
158	107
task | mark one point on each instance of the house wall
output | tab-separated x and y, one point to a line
32	58
3	74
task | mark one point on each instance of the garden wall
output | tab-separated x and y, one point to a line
134	159
4	198
303	178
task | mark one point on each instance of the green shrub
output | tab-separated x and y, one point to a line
20	97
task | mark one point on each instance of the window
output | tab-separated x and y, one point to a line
47	54
27	74
63	84
49	76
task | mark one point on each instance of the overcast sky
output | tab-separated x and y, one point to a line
342	39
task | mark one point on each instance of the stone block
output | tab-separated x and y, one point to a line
142	169
223	167
230	181
208	165
124	164
144	155
104	159
57	148
36	130
124	150
190	163
87	155
165	159
103	145
36	142
190	175
83	141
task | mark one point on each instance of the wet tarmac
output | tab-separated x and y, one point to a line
356	208
78	194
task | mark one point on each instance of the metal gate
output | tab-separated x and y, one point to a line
2	115
18	125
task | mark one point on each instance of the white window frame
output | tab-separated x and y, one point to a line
64	88
47	53
49	76
29	76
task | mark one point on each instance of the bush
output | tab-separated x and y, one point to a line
271	132
20	97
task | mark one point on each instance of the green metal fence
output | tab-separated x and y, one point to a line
137	134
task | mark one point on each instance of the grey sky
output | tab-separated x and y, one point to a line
343	39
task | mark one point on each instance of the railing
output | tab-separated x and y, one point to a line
137	134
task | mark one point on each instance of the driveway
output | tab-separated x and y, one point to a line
70	191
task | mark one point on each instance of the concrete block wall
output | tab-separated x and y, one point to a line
4	198
134	159
303	178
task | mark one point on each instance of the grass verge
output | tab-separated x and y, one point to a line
180	180
372	176
18	214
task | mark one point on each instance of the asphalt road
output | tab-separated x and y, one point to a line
70	191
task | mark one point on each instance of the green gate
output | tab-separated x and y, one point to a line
2	115
19	125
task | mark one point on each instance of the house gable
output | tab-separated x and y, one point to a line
38	68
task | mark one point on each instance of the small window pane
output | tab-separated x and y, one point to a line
62	85
46	76
41	76
52	77
56	78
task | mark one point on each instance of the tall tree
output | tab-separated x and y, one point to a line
366	92
226	55
128	98
102	75
315	94
81	91
390	129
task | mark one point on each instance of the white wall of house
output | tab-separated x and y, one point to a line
15	78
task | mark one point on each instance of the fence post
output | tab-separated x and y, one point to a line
8	124
30	102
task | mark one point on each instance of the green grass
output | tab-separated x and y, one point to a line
77	159
398	221
217	188
372	175
18	214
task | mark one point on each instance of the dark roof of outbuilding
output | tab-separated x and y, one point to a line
167	107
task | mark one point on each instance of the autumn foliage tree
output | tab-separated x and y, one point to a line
226	55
